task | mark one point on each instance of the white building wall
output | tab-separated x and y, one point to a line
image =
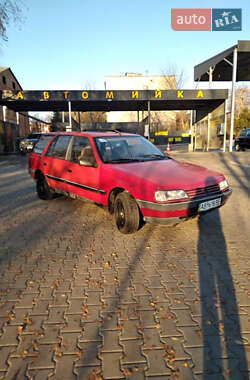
131	81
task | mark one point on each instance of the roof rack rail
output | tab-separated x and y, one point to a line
102	130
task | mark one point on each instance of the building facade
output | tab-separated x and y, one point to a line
12	124
160	120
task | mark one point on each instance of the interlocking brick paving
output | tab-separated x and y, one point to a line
79	300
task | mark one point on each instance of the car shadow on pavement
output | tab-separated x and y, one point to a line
223	345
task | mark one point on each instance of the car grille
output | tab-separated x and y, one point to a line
203	191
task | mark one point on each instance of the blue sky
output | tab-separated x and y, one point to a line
73	44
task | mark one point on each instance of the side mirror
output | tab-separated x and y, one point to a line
87	163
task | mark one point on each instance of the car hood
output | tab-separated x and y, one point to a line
170	174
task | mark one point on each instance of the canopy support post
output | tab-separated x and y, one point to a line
70	117
233	98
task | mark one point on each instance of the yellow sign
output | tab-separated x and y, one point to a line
158	94
161	133
200	94
45	95
109	95
19	95
85	95
135	95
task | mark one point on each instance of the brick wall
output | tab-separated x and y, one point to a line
9	130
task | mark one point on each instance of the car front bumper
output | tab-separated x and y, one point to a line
174	212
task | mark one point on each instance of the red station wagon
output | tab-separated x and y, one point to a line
127	174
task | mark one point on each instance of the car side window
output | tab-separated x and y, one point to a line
42	143
81	150
58	148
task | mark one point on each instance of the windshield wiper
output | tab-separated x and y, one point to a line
156	156
122	160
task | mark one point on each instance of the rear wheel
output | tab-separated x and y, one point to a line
43	190
126	213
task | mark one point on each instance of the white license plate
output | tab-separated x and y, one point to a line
204	206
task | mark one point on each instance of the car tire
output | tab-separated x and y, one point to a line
43	190
126	212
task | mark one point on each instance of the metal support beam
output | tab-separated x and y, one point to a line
195	136
70	117
79	120
211	69
233	98
225	126
4	113
227	61
191	145
149	121
208	130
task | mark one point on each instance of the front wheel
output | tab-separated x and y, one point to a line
126	213
43	190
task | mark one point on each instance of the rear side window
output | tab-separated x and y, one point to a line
41	144
58	148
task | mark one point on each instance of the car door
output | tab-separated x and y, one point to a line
83	171
54	164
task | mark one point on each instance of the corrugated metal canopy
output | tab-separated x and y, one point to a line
222	71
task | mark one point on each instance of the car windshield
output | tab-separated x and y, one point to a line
124	149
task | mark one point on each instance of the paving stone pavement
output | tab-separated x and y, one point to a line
79	300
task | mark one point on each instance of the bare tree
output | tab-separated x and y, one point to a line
10	11
174	77
89	117
242	99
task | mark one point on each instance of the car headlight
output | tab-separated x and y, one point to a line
223	185
170	195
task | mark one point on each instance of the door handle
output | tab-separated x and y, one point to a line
44	164
69	170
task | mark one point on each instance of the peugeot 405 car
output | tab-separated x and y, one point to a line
128	175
